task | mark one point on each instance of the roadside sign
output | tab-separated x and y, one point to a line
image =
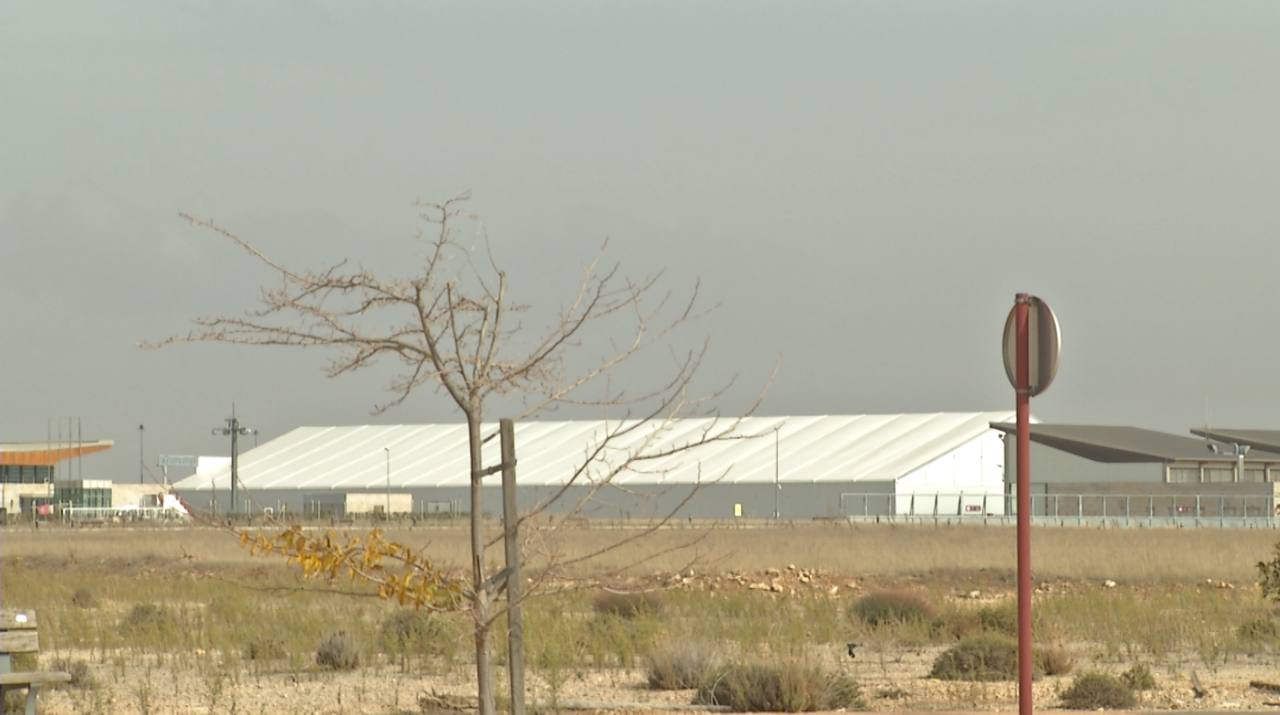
1044	346
178	460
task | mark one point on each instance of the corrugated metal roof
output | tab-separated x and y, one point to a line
849	448
1106	443
1268	439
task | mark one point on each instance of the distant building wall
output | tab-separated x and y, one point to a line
708	501
400	503
1053	466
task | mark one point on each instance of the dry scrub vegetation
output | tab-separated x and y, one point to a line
184	620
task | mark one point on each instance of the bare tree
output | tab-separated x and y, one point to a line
453	327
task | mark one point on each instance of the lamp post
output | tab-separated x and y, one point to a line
388	451
233	429
141	459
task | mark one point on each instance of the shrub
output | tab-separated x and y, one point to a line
1095	691
962	623
1139	677
789	687
627	605
266	648
147	618
338	651
1259	630
981	658
1053	661
84	598
682	665
1001	619
407	631
884	607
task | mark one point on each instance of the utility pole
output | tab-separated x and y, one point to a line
233	429
141	460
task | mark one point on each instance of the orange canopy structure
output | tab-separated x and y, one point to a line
48	454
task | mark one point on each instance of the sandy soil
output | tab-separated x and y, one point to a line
892	680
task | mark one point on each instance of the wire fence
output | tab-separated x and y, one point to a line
1178	510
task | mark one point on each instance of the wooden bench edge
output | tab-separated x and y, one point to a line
35	676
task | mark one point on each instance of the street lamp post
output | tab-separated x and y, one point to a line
388	451
233	429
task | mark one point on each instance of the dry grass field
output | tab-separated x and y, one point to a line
185	620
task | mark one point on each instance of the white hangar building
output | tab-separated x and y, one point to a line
789	467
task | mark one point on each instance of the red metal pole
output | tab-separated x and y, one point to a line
1024	503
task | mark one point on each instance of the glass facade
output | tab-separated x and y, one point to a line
27	474
79	496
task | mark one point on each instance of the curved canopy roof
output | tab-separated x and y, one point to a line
48	454
847	448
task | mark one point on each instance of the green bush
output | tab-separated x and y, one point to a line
1098	691
682	665
627	605
980	658
1139	677
338	651
790	687
885	607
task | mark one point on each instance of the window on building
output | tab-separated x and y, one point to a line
80	497
26	474
1255	475
1219	474
1183	475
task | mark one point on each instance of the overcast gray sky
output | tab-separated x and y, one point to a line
862	187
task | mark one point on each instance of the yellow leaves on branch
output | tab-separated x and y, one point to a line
411	578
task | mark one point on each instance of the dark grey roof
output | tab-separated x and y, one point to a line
1105	443
1268	439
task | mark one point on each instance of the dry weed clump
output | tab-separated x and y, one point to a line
338	651
148	620
267	648
628	605
682	665
1054	660
889	607
78	670
1139	677
1098	691
407	631
790	686
1259	630
84	598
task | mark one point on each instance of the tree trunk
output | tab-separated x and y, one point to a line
480	599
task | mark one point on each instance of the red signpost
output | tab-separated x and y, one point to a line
1032	342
